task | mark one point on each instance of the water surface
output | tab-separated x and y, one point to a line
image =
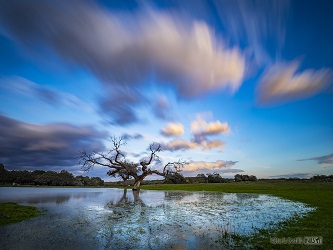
107	218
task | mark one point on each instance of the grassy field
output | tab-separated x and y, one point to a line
317	194
12	213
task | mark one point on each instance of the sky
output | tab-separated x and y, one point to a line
232	87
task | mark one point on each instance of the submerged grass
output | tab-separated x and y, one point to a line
12	213
317	223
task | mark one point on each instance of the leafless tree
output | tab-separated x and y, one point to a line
120	167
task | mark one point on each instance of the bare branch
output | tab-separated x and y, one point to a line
157	172
90	160
113	172
177	166
117	143
153	154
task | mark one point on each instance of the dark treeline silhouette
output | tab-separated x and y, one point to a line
46	178
174	178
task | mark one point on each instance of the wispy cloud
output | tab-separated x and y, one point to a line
282	82
53	145
173	129
162	108
296	175
230	171
326	159
131	136
206	143
46	94
119	105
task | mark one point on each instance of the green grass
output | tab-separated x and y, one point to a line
317	223
12	213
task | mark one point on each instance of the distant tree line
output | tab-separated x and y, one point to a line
177	178
322	178
317	178
46	178
245	177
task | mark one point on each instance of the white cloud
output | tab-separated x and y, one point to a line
203	165
200	130
172	129
202	142
281	82
200	127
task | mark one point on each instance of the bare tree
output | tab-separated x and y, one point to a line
120	167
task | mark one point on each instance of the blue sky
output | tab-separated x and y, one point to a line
228	86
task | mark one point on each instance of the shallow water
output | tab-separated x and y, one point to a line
89	218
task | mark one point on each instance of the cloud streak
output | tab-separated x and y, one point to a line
129	137
162	108
53	145
258	23
122	48
119	105
282	83
326	159
46	94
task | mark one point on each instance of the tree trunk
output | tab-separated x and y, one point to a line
137	185
136	195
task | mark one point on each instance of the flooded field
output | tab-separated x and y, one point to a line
88	218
